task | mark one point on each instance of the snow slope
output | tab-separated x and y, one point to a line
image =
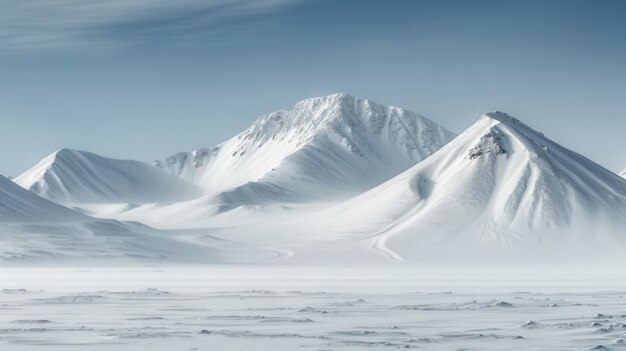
623	173
19	205
327	147
498	189
71	176
34	230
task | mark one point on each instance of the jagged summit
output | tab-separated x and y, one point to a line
335	145
337	98
504	120
336	108
71	176
340	97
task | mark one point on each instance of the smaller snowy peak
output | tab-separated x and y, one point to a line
623	173
497	132
71	177
499	184
501	117
498	118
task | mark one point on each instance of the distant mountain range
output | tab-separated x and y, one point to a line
377	174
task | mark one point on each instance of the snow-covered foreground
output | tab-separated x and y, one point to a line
219	309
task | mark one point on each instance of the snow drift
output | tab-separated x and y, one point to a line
71	177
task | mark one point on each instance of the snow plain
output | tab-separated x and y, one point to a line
255	309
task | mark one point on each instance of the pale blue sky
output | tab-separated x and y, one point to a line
146	78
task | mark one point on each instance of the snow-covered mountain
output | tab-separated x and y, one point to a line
499	185
500	190
74	177
34	230
623	173
327	147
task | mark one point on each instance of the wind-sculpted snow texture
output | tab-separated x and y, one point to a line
323	148
75	177
154	319
498	185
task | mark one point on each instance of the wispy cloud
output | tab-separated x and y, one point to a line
31	25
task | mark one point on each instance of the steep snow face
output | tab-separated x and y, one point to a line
71	177
623	173
20	205
499	185
324	147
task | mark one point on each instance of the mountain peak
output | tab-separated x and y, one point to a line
66	151
69	153
501	117
340	97
499	131
327	107
52	160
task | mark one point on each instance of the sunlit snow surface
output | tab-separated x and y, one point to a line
152	309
